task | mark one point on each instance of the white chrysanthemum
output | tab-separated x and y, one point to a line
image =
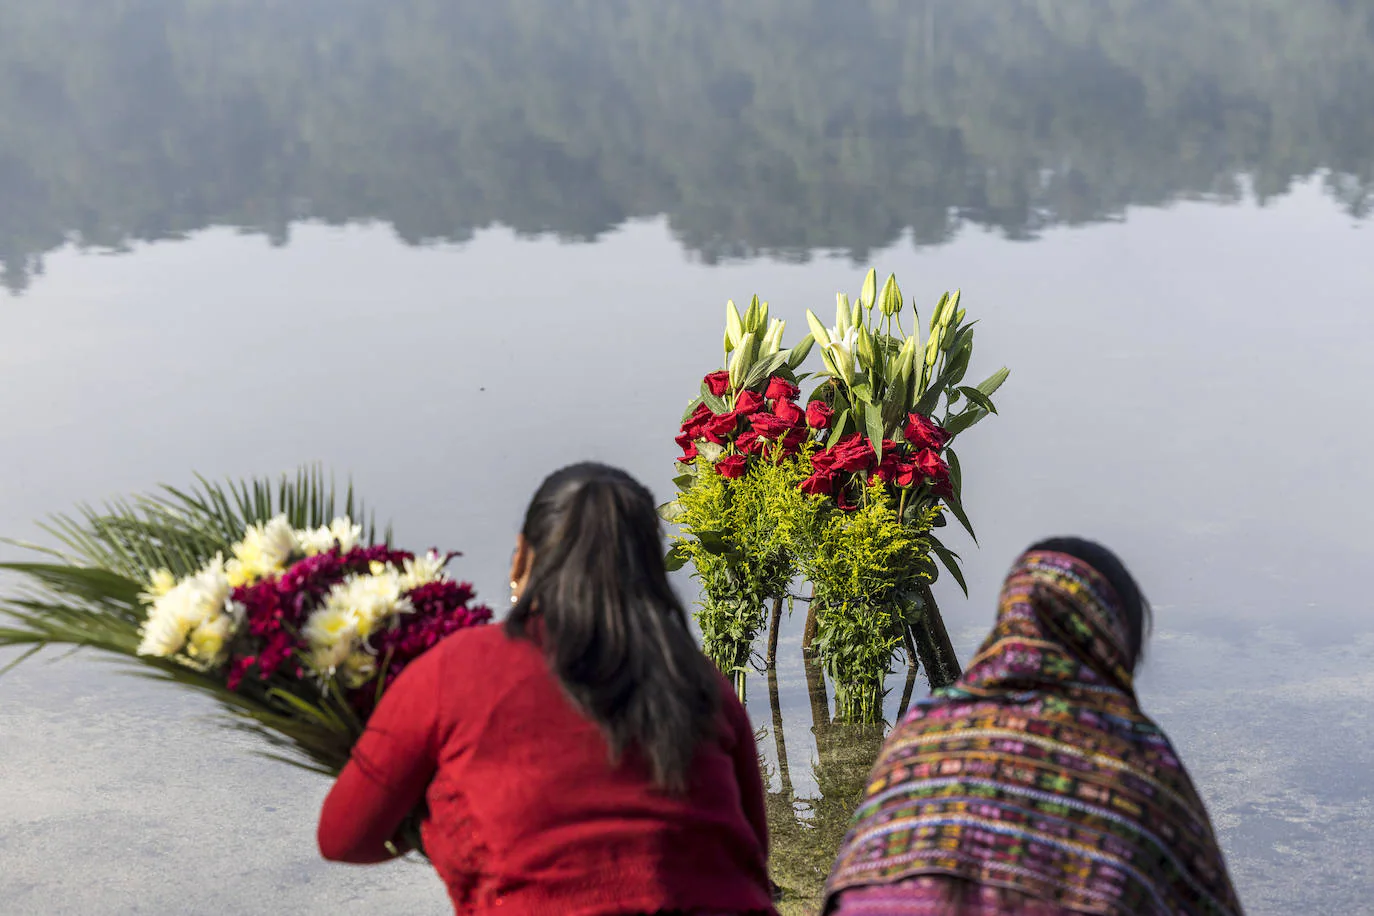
209	641
159	583
330	633
263	551
368	600
162	637
341	531
190	603
422	571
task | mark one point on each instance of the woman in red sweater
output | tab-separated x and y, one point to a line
582	759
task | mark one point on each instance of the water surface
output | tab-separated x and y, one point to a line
448	248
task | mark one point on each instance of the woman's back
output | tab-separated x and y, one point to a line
528	814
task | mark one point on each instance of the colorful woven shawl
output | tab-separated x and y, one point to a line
1038	772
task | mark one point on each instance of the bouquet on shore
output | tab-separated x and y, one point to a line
290	614
845	493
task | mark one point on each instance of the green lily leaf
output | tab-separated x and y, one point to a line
960	422
956	474
677	558
977	397
873	422
957	507
715	402
837	431
950	559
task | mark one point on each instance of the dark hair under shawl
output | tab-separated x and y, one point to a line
1038	772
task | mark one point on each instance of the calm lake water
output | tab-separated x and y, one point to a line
448	247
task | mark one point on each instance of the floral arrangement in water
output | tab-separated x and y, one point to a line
740	436
847	495
291	615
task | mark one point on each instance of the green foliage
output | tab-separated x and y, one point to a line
739	554
866	568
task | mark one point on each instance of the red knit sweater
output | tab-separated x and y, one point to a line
526	813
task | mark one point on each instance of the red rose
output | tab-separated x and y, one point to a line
748	402
821	483
718	382
731	466
824	461
695	423
818	415
689	453
789	413
854	453
721	426
780	389
794	439
768	425
751	443
887	468
932	465
922	433
907	475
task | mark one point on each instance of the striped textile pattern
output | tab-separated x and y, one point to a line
1037	772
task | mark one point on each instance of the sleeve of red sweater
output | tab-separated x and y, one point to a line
747	774
390	768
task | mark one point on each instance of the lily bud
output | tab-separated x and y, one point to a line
772	340
818	330
865	348
743	359
734	329
891	299
939	312
869	288
906	357
842	314
751	316
797	355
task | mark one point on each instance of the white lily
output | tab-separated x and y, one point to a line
772	338
841	352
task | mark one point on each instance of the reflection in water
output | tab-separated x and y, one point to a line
779	126
806	831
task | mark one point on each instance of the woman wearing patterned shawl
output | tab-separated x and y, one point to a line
1035	784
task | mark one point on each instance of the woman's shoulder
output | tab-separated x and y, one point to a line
482	642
